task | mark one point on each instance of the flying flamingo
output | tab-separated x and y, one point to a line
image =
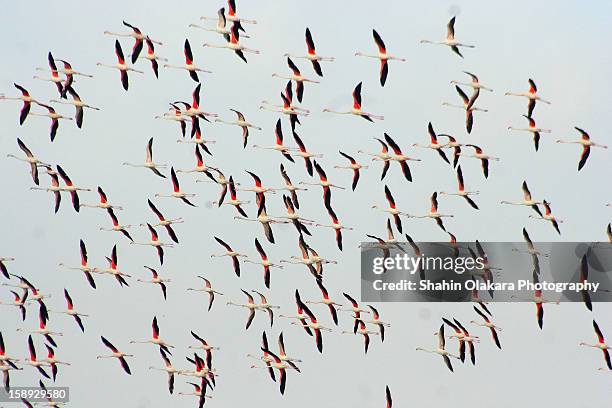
475	83
176	115
103	204
231	253
538	299
287	108
304	259
487	323
440	350
433	212
297	77
318	261
197	391
352	166
200	167
264	305
149	163
290	187
137	35
301	316
168	368
176	192
392	209
265	357
304	153
204	346
547	216
259	189
234	45
527	200
242	123
25	98
456	146
53	362
193	110
121	66
250	305
233	198
463	336
119	355
189	66
383	156
53	115
282	354
336	225
450	41
354	308
279	146
281	366
356	110
67	71
382	55
484	158
71	312
323	180
434	144
312	55
78	104
327	301
222	181
157	280
586	143
298	222
155	243
32	361
360	327
197	136
601	344
202	371
265	262
84	267
208	289
55	78
468	106
377	322
462	192
532	129
312	324
30	159
151	56
117	227
112	268
166	223
263	218
19	301
397	156
383	245
532	95
155	339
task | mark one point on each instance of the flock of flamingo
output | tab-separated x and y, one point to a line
366	321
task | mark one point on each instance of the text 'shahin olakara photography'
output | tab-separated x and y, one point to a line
297	204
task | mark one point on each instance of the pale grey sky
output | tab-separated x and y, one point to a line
559	44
